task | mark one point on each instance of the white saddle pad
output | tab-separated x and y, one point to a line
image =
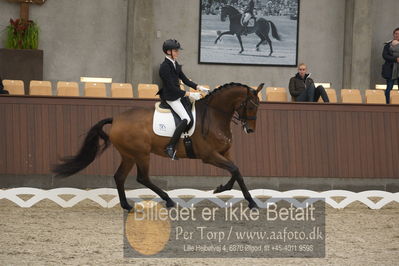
164	123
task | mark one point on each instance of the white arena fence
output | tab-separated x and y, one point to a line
187	197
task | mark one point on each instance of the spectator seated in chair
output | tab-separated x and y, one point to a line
2	90
302	88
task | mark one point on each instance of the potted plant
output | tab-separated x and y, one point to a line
22	34
21	56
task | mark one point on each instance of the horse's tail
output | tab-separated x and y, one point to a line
88	152
274	31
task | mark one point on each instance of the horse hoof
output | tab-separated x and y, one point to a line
170	204
240	52
218	189
253	205
126	207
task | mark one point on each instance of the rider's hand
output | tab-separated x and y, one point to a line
203	89
195	96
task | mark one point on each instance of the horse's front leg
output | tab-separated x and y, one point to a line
239	39
227	186
220	161
221	34
230	183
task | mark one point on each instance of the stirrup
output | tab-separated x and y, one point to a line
171	153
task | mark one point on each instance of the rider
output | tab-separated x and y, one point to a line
170	72
248	14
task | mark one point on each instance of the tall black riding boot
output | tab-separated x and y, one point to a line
170	148
245	30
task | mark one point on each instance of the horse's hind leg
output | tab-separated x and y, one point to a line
120	178
144	178
259	43
271	47
267	40
262	40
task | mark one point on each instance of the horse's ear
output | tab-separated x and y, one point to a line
260	87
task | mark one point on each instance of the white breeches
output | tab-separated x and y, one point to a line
246	18
178	107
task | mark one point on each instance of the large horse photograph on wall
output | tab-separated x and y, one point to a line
249	32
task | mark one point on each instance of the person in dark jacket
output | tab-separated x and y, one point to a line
302	88
2	90
171	72
390	69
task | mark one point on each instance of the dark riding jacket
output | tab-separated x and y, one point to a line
299	85
387	67
250	8
170	76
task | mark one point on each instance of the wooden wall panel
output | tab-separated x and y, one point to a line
291	140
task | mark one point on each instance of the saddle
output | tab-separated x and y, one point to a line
165	119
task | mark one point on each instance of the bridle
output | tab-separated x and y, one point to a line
239	116
243	118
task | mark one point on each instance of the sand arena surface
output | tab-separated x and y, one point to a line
87	234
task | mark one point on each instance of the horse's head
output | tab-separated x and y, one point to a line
248	108
228	11
223	13
235	101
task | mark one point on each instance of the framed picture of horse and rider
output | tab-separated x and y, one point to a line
249	32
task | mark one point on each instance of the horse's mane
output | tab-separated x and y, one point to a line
225	87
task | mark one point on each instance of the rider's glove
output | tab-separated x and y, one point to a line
203	89
195	96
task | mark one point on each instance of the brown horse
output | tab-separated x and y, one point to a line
132	135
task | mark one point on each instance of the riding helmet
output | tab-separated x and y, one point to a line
171	45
